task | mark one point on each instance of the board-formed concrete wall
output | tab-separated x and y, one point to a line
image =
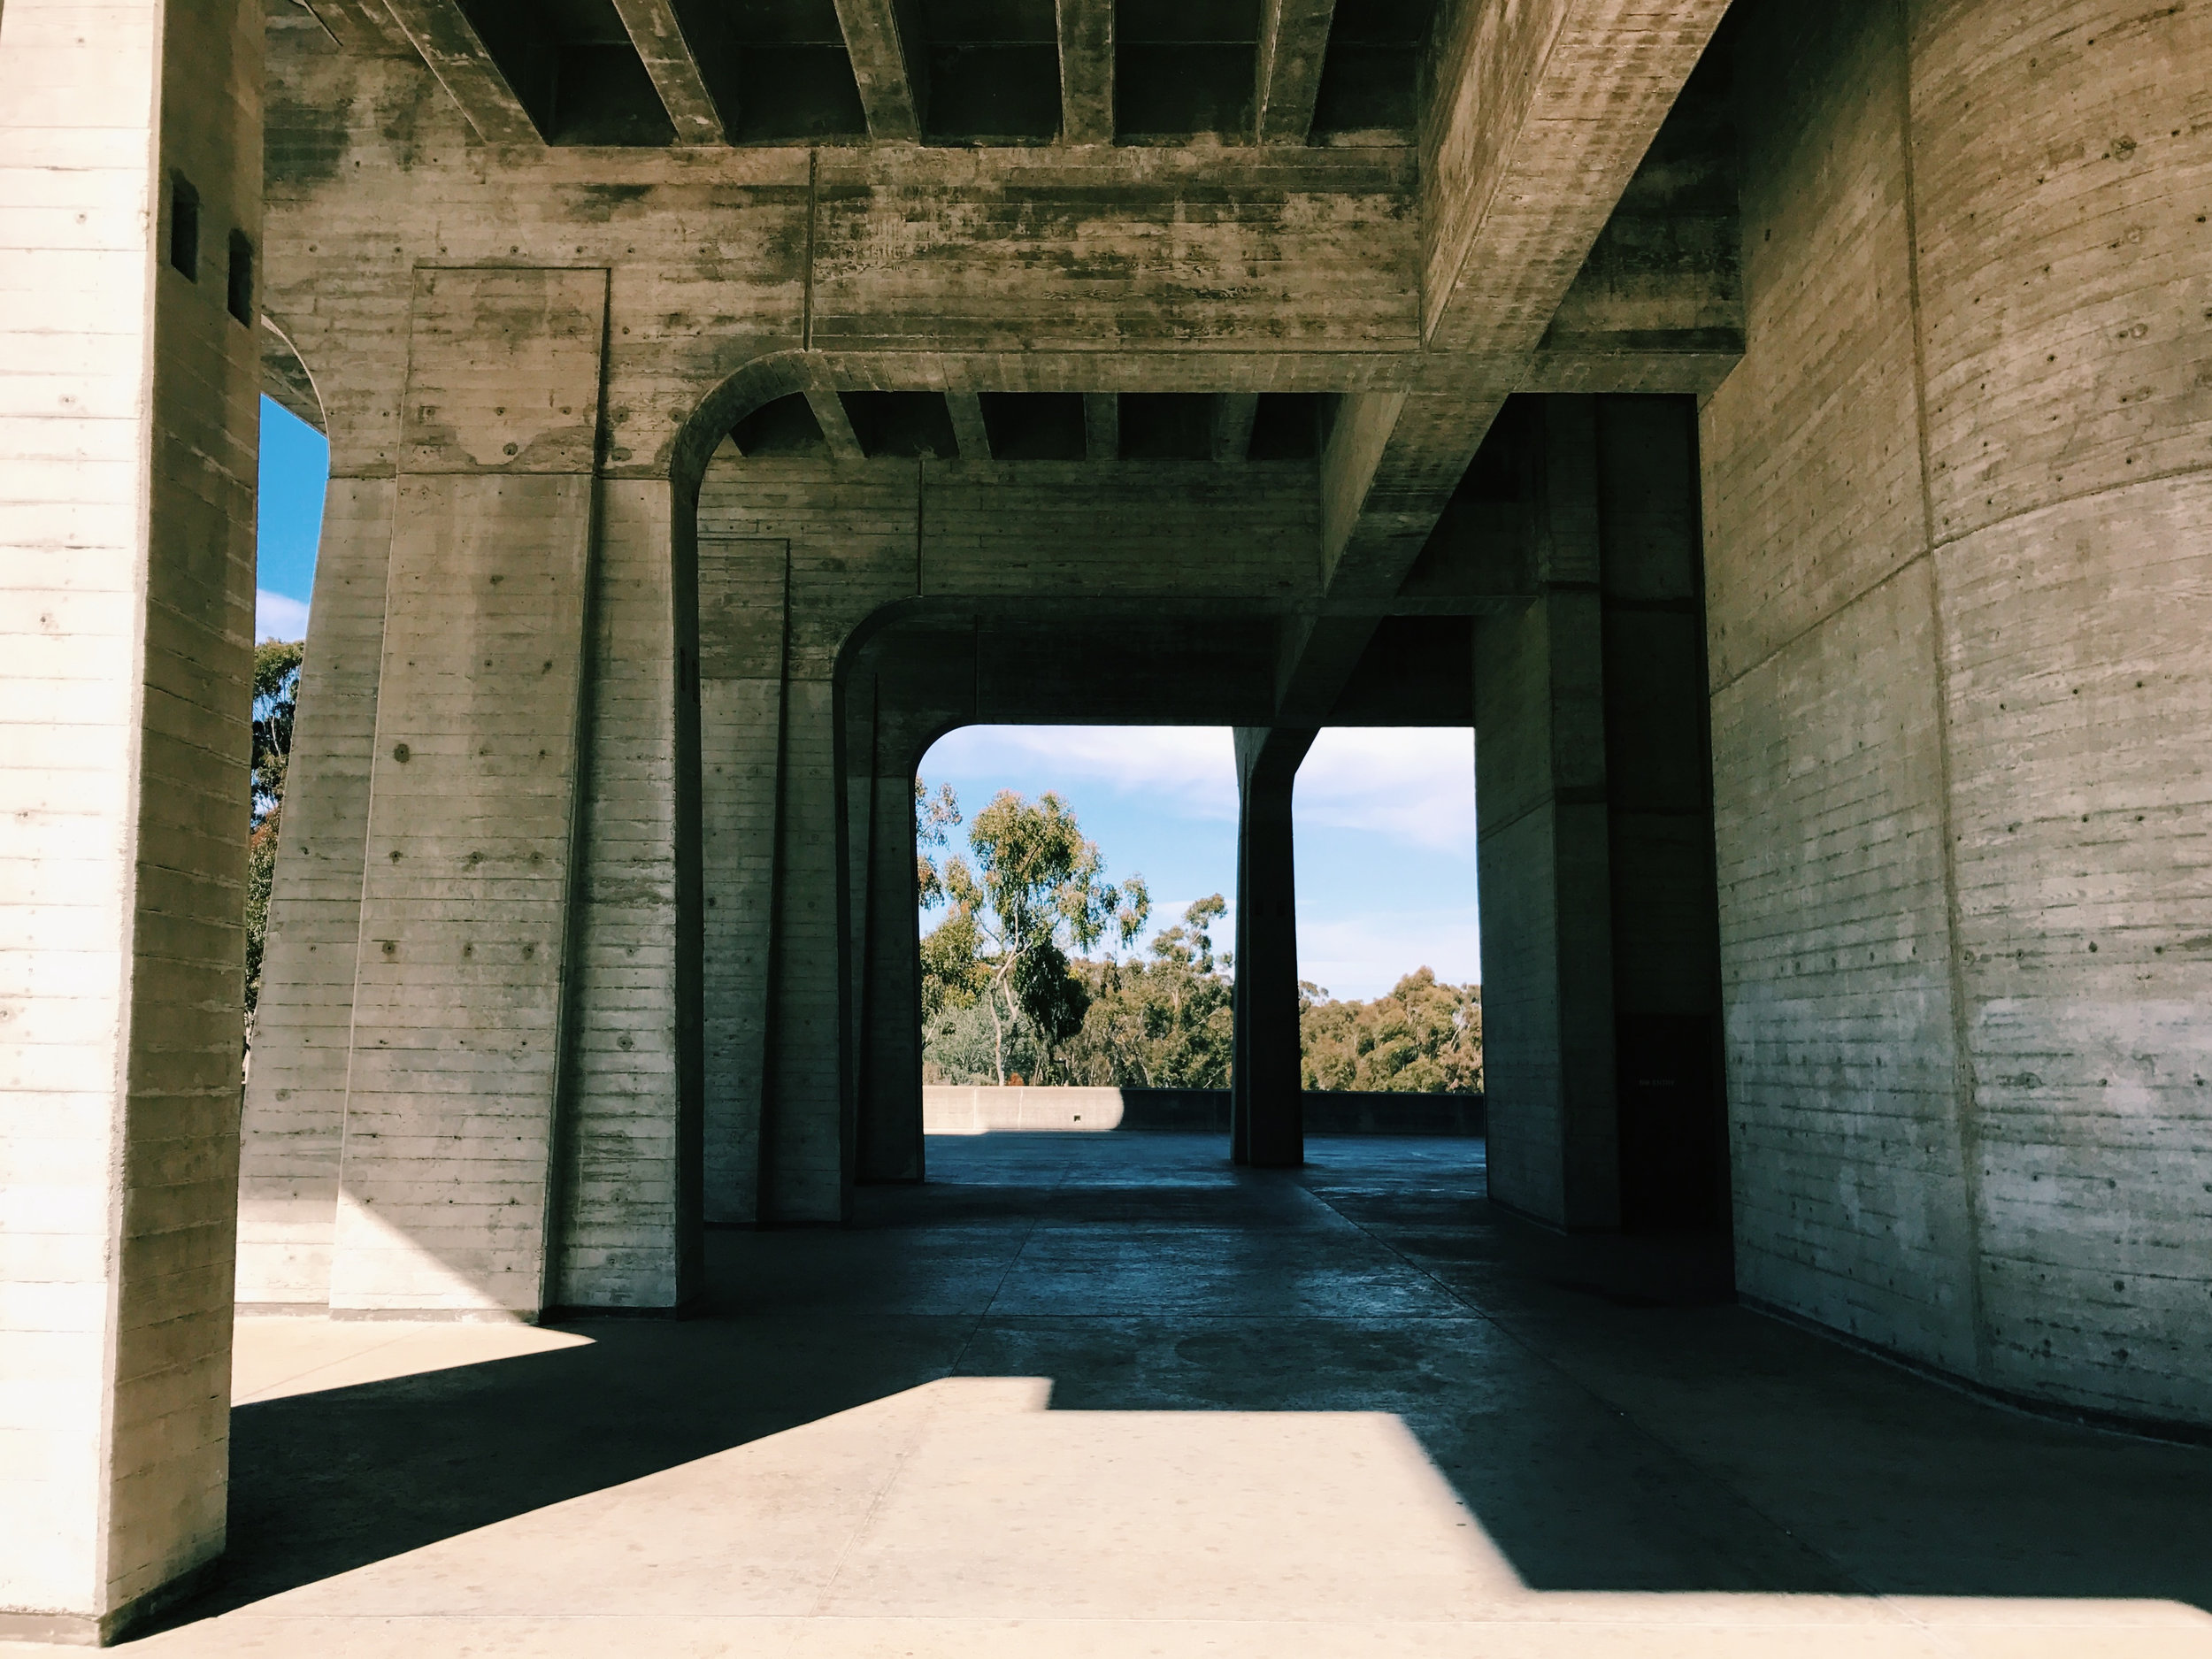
128	428
1959	520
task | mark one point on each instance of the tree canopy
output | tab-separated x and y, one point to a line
1035	892
1424	1038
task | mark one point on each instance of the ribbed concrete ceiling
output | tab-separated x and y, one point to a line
651	72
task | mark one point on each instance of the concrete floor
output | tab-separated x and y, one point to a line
1094	1395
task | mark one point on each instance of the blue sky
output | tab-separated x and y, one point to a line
295	463
1386	819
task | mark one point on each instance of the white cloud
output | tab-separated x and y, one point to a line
1193	765
1414	786
1363	956
276	616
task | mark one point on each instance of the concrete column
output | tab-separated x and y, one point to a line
890	1145
743	637
445	1195
295	1094
1959	510
632	1135
1543	860
1659	821
128	416
805	1123
1267	1125
856	699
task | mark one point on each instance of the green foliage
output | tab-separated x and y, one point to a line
1036	889
1166	1023
276	683
1423	1038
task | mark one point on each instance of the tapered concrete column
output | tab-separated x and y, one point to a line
129	378
630	1180
295	1094
1543	861
446	1184
1267	1128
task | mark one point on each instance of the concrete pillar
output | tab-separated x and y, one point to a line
1267	1127
128	416
1543	861
632	1134
446	1201
744	584
295	1094
1959	523
890	1145
1665	942
806	1125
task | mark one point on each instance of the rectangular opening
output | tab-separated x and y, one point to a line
241	278
184	227
1166	427
993	92
1371	78
907	425
1034	425
797	92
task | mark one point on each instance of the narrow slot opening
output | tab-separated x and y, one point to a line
184	227
241	278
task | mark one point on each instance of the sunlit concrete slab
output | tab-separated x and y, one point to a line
1103	1396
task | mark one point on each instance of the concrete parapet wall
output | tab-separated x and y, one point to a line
960	1110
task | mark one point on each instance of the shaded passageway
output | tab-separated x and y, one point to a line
1111	1394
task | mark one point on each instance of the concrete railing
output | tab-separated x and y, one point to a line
958	1109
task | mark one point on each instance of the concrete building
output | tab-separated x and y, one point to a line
1781	431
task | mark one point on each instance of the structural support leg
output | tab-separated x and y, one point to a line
295	1094
446	1198
1267	1127
1543	864
127	555
890	1139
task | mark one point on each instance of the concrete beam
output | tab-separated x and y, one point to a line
363	28
672	60
1541	115
968	426
885	42
1087	71
1232	416
1294	37
457	55
1101	426
837	426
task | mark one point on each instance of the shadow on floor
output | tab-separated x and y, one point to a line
1608	1417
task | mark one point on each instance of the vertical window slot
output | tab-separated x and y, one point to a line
184	227
241	278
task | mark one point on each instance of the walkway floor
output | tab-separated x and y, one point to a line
1103	1394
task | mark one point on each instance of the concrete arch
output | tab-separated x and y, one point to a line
287	380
